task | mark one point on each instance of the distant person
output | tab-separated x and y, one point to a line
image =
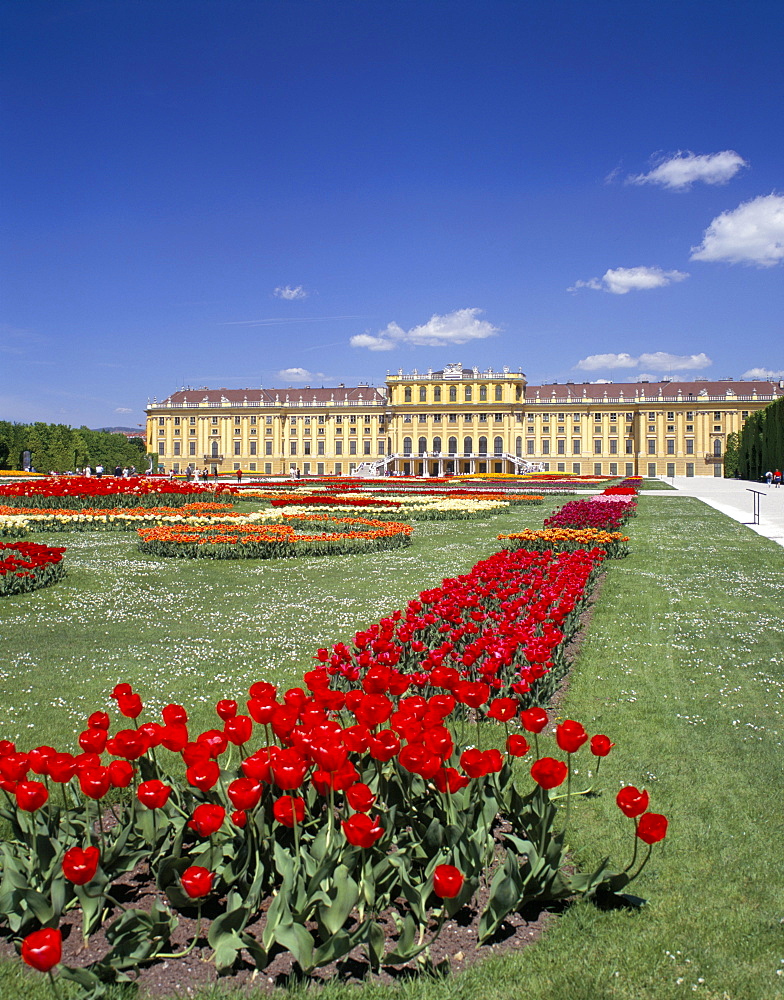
215	472
117	471
777	478
99	470
768	478
204	473
239	475
88	471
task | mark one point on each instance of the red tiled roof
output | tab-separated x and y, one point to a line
338	394
598	390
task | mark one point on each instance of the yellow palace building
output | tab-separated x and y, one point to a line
459	421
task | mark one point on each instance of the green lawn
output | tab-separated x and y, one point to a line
682	668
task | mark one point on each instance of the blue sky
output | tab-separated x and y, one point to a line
287	192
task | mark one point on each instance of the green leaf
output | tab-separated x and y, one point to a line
294	938
342	900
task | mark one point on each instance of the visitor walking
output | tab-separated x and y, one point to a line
768	478
777	478
239	475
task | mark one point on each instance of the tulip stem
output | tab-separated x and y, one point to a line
644	862
191	946
568	788
634	852
55	987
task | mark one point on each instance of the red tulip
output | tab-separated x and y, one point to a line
449	780
153	794
226	709
502	709
120	773
534	719
95	782
652	827
197	882
207	819
130	706
631	801
31	795
43	949
548	772
80	866
238	729
570	736
516	745
203	775
288	810
601	745
360	797
447	881
288	769
244	793
362	831
93	740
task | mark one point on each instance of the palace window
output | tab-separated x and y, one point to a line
406	395
499	393
422	394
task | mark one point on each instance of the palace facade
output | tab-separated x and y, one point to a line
457	421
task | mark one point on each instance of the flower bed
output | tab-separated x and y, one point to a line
613	544
604	513
76	492
25	566
118	519
307	820
340	536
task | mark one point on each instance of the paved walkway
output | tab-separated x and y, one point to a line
732	497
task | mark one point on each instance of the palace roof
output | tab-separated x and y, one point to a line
599	391
270	397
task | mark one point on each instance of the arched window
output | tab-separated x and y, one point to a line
467	396
468	445
498	446
452	393
482	445
422	445
499	389
483	392
717	448
406	446
407	395
519	447
453	446
437	445
214	449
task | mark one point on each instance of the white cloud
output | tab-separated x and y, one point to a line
458	327
300	375
123	409
763	373
753	233
620	280
595	362
289	293
680	171
657	361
